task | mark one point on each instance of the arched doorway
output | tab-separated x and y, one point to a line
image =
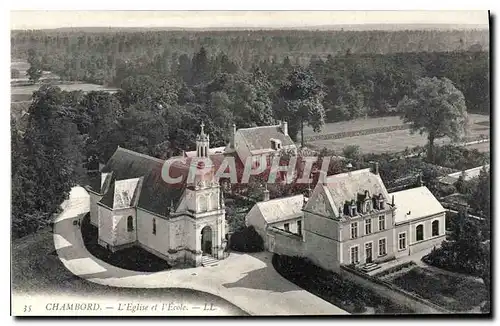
206	240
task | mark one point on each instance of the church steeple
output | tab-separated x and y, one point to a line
202	142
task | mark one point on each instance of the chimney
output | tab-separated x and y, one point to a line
374	167
233	134
266	194
419	180
284	127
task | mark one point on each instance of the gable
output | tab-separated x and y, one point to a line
155	195
320	203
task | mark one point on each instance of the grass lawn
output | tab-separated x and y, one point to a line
456	293
392	141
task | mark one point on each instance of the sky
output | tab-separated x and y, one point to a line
225	19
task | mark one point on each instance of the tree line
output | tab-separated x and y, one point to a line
163	99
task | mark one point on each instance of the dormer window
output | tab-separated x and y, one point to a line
368	206
353	209
381	204
275	144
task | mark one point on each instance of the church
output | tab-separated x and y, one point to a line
183	223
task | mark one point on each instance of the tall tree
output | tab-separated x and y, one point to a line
35	70
51	151
301	102
436	107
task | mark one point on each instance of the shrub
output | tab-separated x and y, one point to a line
459	158
247	240
351	152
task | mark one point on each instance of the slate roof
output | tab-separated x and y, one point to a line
281	209
259	138
419	202
347	186
97	184
156	195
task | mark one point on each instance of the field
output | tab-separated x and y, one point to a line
24	93
20	91
390	141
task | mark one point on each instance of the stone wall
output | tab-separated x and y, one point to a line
284	243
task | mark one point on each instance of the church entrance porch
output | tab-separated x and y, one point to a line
206	241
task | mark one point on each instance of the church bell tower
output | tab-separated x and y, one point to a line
201	165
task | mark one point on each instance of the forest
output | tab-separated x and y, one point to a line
172	81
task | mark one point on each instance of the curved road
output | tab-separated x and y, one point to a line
247	280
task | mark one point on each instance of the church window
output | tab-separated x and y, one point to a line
154	226
130	224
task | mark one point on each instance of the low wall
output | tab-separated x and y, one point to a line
285	243
392	292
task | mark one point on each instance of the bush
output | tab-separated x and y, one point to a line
459	158
451	256
351	152
247	240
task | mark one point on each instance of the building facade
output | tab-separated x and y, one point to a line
352	219
132	205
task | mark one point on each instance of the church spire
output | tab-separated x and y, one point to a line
202	142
